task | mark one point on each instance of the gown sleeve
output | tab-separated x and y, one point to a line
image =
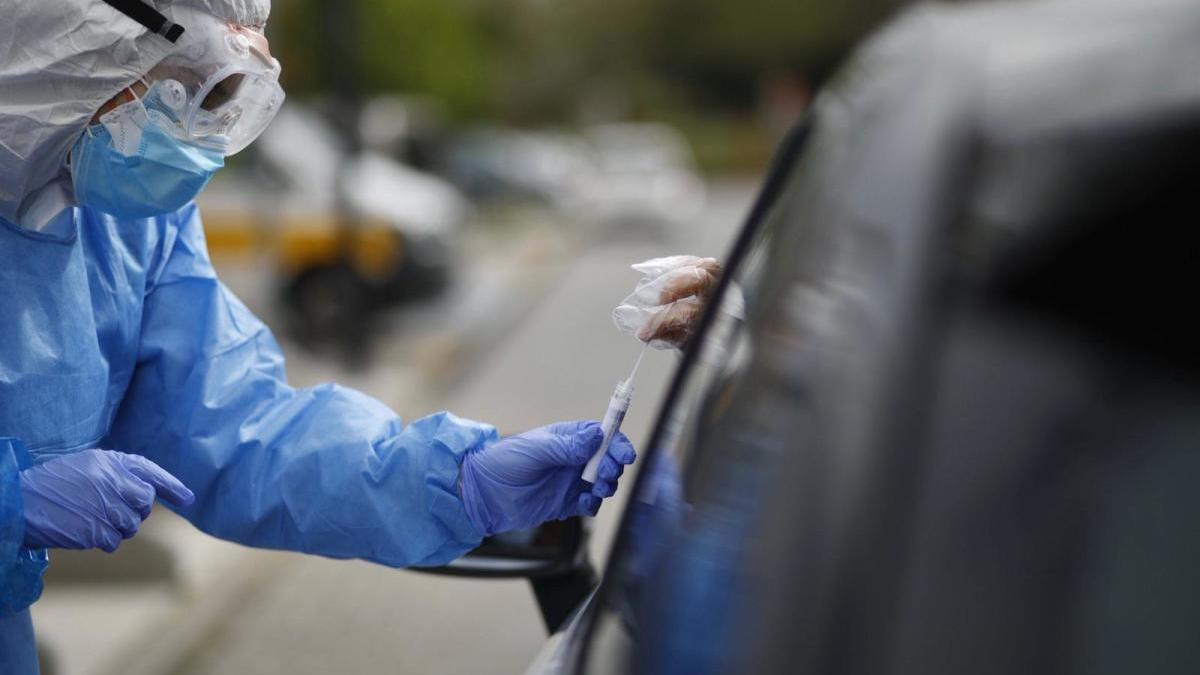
325	470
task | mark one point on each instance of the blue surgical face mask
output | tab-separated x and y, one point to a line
129	166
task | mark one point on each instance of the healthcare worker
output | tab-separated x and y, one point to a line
129	373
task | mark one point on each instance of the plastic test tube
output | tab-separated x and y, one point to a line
618	405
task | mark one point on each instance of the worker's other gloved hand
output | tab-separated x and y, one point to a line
93	499
523	481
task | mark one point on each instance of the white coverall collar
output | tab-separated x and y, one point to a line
45	206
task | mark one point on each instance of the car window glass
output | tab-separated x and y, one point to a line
704	471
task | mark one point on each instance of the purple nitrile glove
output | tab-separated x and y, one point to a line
93	499
522	481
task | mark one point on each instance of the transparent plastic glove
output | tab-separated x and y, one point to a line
93	499
666	305
525	480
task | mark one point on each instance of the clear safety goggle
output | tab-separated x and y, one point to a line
219	87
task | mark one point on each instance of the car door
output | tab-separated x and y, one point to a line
947	433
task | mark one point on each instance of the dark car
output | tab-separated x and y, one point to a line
956	428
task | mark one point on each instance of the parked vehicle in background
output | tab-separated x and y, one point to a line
412	129
643	173
504	165
348	233
953	427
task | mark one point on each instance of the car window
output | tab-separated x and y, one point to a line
698	490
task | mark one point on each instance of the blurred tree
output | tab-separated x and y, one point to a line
727	44
440	47
711	54
556	61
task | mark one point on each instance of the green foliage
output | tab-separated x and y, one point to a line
437	47
545	60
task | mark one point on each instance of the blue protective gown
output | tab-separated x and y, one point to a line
118	335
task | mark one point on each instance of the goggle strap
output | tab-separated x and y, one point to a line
149	17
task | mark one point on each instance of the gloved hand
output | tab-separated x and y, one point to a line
93	499
669	300
683	298
522	481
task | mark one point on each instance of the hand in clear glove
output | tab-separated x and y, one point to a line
522	481
667	304
683	297
93	499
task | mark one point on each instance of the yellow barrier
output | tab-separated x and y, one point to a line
297	244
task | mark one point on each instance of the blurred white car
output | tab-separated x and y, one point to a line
495	164
641	172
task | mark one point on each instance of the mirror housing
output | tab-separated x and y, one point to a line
552	557
553	549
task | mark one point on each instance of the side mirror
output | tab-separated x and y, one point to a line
553	549
552	557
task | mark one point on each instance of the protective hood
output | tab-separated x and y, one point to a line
60	60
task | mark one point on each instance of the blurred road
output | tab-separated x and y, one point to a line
524	339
